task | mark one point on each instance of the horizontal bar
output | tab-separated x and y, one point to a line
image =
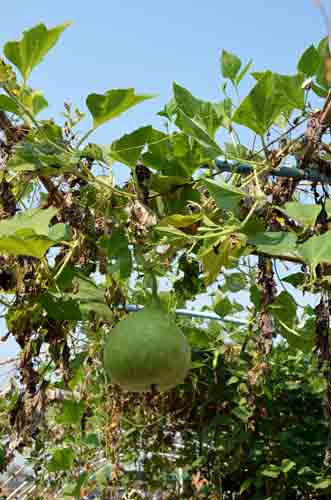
311	174
188	313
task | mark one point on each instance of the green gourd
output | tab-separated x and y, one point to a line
147	351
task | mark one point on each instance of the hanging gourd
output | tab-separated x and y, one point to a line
147	351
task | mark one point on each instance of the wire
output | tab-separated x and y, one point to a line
188	313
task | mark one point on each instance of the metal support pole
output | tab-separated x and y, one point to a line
311	174
188	313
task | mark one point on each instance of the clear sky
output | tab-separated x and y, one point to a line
149	44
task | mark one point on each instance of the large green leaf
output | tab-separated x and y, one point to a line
117	250
9	105
175	154
62	460
225	195
35	102
35	219
180	221
271	470
230	65
28	233
33	246
209	115
194	129
222	305
61	307
271	95
324	53
105	107
91	298
274	243
167	184
216	254
74	489
129	147
242	73
186	101
41	157
309	61
316	250
284	308
72	412
28	52
305	214
301	338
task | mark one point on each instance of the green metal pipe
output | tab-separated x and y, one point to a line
310	174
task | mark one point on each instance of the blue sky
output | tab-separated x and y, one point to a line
149	44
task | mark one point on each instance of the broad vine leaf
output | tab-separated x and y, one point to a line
194	129
316	250
300	338
209	115
171	231
72	412
180	221
271	95
129	147
35	219
305	214
7	74
284	308
218	255
8	105
175	154
28	52
322	484
309	61
274	243
105	107
61	307
28	233
319	91
62	460
235	282
59	232
186	101
270	470
230	65
287	465
242	73
41	156
117	250
91	298
295	279
165	184
35	102
242	413
74	489
225	195
222	305
323	50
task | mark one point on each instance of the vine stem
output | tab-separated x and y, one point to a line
85	136
34	121
66	259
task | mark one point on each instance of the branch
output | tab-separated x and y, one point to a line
7	126
52	190
288	258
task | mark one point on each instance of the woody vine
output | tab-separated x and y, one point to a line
75	247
